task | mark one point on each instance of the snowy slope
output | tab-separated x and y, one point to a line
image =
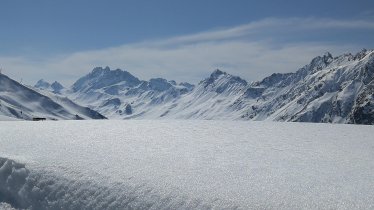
185	165
338	90
157	98
329	89
19	101
212	98
118	94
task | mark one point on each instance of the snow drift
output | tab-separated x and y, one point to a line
185	165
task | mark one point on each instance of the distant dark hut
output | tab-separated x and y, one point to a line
38	119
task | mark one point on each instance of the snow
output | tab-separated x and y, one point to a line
5	206
190	164
24	102
328	89
6	118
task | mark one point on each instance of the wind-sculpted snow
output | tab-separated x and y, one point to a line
185	165
42	189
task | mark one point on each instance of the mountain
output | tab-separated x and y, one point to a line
328	89
119	94
42	84
19	101
55	87
104	78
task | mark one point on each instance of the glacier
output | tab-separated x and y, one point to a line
185	164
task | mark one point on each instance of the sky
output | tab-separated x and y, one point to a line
181	40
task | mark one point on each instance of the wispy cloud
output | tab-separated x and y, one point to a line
251	51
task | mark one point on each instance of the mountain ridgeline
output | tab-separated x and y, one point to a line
328	89
18	101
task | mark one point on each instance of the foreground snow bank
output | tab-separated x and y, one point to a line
46	190
185	165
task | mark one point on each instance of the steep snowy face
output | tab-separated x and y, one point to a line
221	82
118	94
212	98
23	102
104	77
327	90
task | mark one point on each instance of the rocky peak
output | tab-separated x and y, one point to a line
321	61
103	77
360	55
57	87
99	70
159	84
217	73
42	84
220	81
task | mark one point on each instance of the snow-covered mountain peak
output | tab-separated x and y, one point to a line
363	53
220	81
320	62
104	77
99	70
216	73
42	84
159	84
55	87
328	89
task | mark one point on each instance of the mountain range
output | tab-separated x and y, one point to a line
23	102
328	89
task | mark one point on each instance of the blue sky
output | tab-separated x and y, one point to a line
181	40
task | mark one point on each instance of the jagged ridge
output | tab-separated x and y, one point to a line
328	89
19	101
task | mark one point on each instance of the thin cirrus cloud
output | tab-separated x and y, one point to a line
251	51
271	24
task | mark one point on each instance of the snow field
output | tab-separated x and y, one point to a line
143	164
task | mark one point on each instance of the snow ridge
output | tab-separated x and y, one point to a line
39	189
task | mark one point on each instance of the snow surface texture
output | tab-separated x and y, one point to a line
328	89
185	165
